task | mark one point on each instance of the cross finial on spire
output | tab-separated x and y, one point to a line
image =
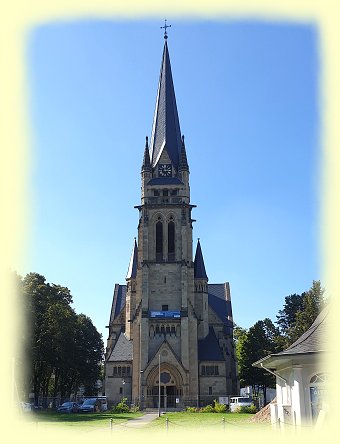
164	27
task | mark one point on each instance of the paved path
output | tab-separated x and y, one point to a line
131	424
142	420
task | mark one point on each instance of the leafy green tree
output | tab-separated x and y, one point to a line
64	349
89	354
286	317
240	336
312	303
299	312
260	340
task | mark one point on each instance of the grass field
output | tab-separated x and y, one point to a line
177	422
205	421
84	421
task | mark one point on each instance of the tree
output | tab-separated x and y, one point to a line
64	349
286	316
299	312
312	303
260	340
240	336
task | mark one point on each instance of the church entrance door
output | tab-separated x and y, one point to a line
168	396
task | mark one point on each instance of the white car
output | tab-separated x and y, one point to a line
239	401
25	406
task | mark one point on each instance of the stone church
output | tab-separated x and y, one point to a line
170	331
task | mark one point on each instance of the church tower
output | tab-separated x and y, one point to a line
169	330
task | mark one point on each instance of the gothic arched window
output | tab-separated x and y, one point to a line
171	241
317	392
159	241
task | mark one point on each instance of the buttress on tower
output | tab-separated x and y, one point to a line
167	320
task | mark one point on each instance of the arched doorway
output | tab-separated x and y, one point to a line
170	384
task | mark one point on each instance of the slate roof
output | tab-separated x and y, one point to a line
118	301
132	270
183	162
123	350
146	166
166	131
199	268
314	340
218	302
165	181
208	348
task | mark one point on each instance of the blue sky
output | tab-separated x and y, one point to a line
247	96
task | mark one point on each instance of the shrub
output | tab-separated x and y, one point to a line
191	410
219	408
134	408
246	409
207	409
252	409
121	407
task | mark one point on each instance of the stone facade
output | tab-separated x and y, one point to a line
168	328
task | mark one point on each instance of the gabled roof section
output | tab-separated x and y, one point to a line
118	301
314	339
166	133
219	301
208	348
123	350
132	270
199	267
312	342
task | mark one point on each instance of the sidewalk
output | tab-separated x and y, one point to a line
142	420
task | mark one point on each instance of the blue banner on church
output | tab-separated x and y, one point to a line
165	314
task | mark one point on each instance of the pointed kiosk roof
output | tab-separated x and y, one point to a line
166	131
132	271
199	268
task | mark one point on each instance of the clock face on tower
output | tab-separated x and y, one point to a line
164	170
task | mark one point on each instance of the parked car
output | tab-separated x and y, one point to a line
68	407
92	405
239	401
25	406
36	407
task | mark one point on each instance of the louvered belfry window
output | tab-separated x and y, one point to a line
171	241
159	241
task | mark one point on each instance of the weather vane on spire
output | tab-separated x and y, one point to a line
164	27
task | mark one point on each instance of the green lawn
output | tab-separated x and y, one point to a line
84	421
205	422
179	421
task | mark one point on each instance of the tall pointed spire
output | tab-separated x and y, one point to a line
132	270
199	267
146	160
166	133
183	161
